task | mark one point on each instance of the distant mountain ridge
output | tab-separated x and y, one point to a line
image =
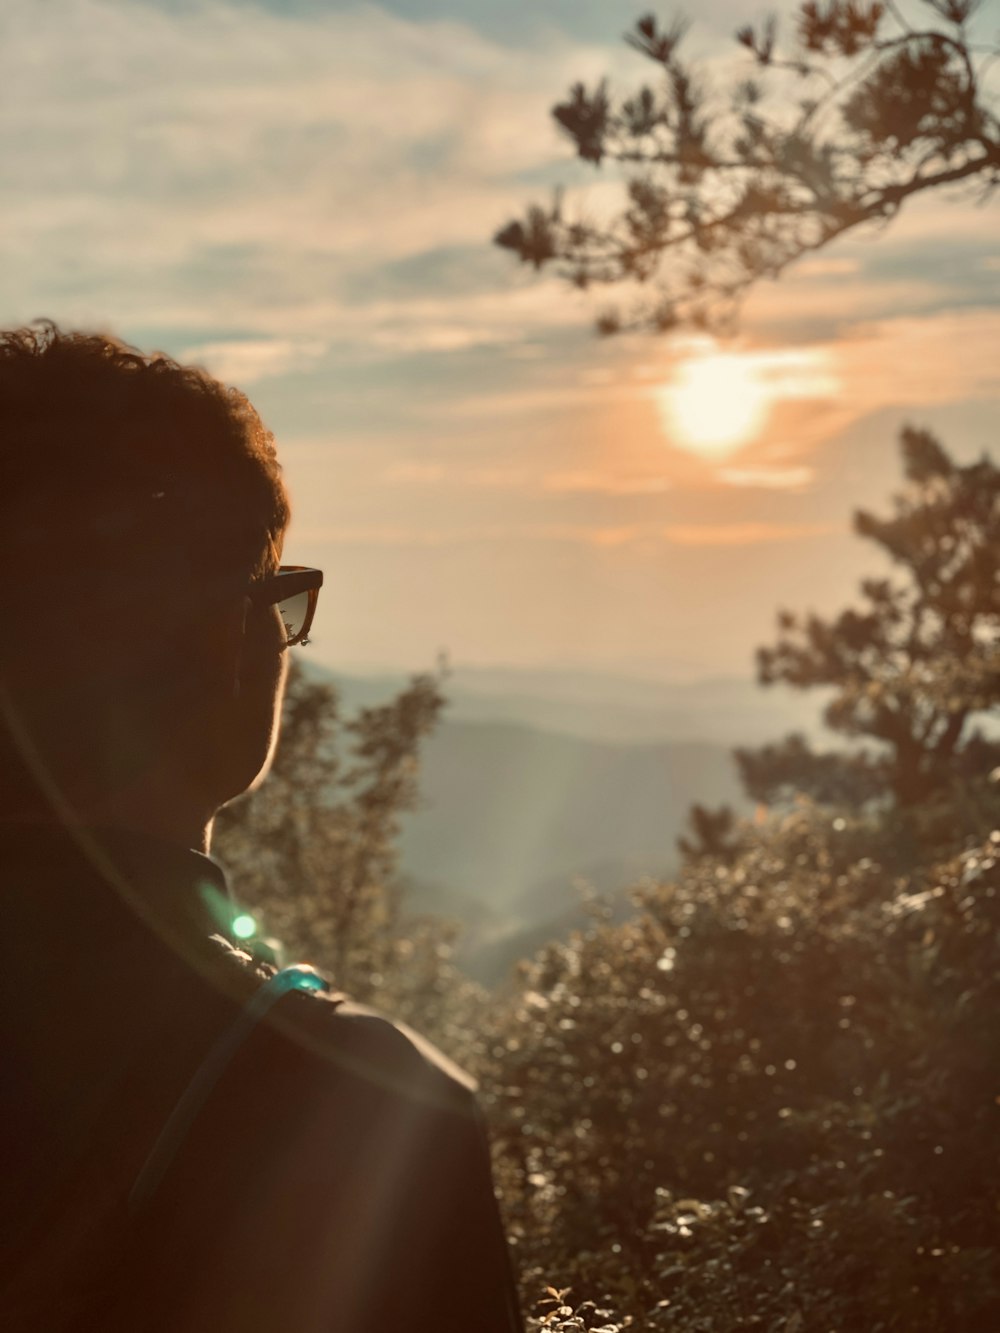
512	818
506	805
513	812
602	706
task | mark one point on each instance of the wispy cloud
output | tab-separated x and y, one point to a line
230	166
245	362
935	358
937	256
832	267
499	476
487	533
775	478
409	473
513	476
416	336
908	363
604	483
647	535
744	534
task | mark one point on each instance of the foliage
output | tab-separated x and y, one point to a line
553	1315
314	850
913	670
769	1100
714	833
864	111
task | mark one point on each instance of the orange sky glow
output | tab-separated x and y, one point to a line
475	471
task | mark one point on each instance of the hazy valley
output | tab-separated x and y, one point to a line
541	786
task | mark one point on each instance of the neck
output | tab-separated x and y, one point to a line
179	830
156	818
164	804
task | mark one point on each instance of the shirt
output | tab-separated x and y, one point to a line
335	1178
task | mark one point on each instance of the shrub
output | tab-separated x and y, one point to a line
769	1099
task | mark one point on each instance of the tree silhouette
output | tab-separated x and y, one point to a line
315	849
864	111
713	834
918	664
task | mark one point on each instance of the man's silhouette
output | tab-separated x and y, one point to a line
190	1144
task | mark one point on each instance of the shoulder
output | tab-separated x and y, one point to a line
341	1039
333	1042
398	1043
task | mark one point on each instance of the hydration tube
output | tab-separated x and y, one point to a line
299	977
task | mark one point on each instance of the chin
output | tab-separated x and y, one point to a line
258	778
247	739
258	763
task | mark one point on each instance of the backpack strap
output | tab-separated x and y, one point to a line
299	977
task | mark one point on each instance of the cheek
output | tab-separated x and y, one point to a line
264	660
281	680
278	658
262	687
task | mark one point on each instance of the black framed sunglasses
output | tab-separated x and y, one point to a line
294	589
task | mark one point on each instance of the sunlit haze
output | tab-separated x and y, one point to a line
302	196
715	404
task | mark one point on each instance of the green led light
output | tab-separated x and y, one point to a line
244	926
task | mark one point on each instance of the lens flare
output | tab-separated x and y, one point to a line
244	926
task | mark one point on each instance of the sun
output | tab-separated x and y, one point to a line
716	403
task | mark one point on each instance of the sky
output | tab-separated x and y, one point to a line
300	195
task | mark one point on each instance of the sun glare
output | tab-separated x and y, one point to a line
716	403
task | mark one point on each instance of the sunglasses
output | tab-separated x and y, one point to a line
294	589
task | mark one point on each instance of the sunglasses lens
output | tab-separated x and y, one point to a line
293	613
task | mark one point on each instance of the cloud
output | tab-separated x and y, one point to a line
831	267
491	533
511	476
537	398
768	478
744	534
922	361
586	534
908	364
500	477
416	336
407	472
220	165
376	534
245	362
603	483
935	255
223	165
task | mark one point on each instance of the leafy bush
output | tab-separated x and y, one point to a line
770	1099
313	854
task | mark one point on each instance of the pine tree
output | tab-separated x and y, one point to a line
916	668
865	110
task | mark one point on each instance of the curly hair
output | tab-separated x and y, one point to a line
127	478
